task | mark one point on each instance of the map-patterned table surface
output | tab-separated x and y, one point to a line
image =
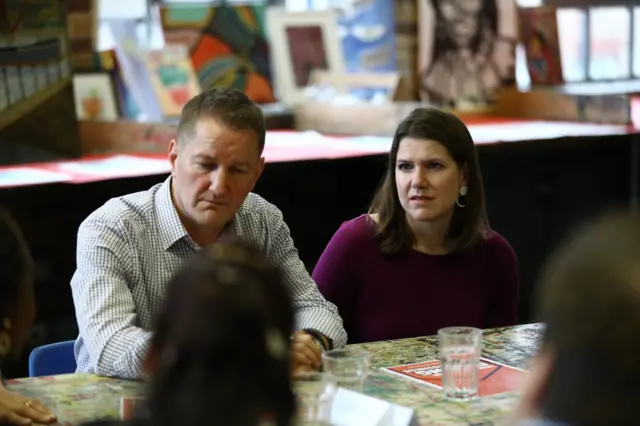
77	398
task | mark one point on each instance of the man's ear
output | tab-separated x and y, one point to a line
535	386
173	155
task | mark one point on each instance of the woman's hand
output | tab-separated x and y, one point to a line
19	410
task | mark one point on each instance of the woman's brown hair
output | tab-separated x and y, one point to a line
469	224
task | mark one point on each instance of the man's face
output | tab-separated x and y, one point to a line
213	172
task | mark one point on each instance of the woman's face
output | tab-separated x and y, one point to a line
461	18
428	180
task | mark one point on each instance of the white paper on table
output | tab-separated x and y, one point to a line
119	165
355	409
29	176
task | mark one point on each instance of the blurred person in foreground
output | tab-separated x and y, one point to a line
587	372
130	247
220	353
17	313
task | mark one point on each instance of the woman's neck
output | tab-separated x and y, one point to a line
430	236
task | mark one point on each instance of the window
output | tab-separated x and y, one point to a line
600	43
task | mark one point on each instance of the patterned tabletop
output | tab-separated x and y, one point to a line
77	398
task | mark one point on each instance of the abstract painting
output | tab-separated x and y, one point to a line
94	97
227	45
466	50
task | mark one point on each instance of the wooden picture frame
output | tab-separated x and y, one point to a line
302	42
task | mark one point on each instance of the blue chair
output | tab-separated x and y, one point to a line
49	360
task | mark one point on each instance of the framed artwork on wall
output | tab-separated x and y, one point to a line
302	42
94	97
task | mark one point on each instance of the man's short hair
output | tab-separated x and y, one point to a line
230	107
590	302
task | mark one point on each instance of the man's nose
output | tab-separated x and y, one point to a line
219	181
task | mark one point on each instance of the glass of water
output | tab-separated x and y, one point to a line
460	349
314	392
350	367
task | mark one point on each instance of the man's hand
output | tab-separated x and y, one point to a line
305	353
19	410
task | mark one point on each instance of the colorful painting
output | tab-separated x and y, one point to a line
367	34
173	77
539	35
307	52
94	97
227	45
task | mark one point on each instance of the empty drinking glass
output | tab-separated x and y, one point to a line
350	367
314	392
460	349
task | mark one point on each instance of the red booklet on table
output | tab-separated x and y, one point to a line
493	377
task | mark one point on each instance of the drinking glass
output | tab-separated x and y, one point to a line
314	392
460	349
350	367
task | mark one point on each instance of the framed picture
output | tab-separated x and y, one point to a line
94	97
302	42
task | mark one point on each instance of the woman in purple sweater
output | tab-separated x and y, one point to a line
424	256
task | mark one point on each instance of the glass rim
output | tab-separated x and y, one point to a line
459	330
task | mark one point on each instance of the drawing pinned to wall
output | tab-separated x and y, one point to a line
306	48
539	35
94	97
173	77
367	34
227	45
466	50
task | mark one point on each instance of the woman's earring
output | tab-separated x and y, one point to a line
462	193
5	338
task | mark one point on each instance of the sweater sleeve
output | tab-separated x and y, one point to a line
503	305
335	272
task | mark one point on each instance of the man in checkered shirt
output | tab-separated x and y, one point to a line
130	247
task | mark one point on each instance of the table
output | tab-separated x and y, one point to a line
81	397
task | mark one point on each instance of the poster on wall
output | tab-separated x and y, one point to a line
466	50
367	34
